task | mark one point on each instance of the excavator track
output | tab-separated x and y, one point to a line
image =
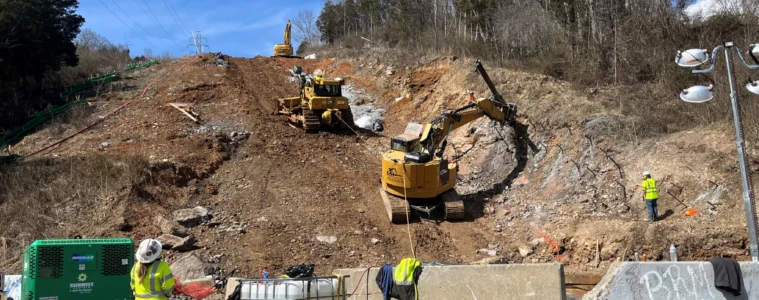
395	207
347	117
311	121
454	206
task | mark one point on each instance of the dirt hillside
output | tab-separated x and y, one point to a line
280	197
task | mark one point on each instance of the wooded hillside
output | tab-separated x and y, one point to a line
626	44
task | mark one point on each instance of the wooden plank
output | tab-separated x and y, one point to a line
193	118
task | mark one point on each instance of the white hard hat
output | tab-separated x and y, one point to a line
646	173
148	251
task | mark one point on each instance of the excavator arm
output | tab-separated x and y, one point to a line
287	33
435	134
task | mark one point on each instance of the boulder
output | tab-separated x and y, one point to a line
191	217
488	252
171	227
191	266
525	250
327	239
177	243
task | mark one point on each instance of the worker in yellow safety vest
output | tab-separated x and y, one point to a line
151	277
650	195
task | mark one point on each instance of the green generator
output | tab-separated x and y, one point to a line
78	269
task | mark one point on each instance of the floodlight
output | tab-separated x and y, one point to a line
753	87
691	58
697	94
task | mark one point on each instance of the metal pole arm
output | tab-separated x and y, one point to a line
715	54
740	55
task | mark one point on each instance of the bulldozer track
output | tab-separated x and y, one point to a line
311	121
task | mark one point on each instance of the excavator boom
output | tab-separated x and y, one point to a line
285	49
415	172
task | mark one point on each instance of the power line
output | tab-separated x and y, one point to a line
130	18
159	23
127	26
174	15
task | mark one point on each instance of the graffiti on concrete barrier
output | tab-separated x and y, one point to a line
677	284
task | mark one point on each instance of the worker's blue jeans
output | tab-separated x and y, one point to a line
653	212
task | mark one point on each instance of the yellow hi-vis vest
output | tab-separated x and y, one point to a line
649	187
404	276
158	284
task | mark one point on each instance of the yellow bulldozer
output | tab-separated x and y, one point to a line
285	49
416	175
320	106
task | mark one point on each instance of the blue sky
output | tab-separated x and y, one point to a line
244	28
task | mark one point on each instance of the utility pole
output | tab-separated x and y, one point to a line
197	41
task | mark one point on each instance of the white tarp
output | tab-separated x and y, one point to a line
13	287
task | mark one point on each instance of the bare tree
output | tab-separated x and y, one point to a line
305	28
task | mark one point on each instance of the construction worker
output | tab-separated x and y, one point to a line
151	277
650	195
470	97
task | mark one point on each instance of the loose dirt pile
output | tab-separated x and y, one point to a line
279	197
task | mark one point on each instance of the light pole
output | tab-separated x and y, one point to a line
698	94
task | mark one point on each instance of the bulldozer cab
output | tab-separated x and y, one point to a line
325	90
327	87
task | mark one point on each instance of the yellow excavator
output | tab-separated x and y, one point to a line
417	177
286	49
320	106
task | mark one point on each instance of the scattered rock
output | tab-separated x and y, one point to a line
390	71
176	243
237	228
358	232
327	239
361	101
525	250
171	227
487	252
375	241
262	219
537	241
191	266
191	217
493	260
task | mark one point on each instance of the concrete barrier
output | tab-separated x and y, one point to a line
670	281
480	282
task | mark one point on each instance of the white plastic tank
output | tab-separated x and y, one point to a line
289	289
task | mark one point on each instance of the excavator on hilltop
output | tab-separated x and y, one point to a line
285	49
320	106
415	173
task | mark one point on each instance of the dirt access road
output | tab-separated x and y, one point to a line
289	187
